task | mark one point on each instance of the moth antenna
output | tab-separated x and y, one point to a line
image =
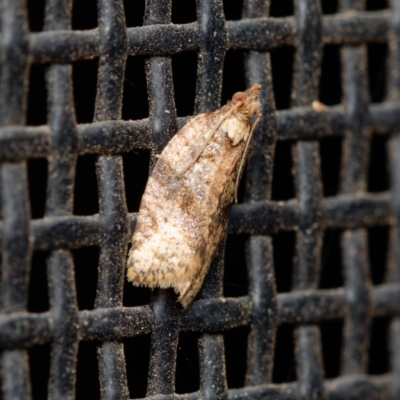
209	137
244	156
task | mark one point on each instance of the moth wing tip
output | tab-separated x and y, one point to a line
187	293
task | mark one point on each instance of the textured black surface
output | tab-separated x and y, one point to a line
79	307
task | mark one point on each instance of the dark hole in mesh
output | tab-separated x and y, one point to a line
183	11
331	338
86	195
187	363
84	14
38	294
36	14
137	355
184	67
331	155
282	180
235	341
233	78
378	179
331	260
85	80
330	87
284	369
39	369
37	100
235	271
281	8
37	182
377	63
378	239
86	261
233	9
282	73
134	12
135	296
136	174
283	252
87	373
376	5
134	101
378	355
329	6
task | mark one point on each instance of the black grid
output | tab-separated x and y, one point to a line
310	213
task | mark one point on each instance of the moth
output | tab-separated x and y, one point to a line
185	208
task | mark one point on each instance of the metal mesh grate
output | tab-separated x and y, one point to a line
311	215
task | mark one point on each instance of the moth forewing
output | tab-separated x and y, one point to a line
185	208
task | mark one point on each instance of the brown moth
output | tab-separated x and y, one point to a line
185	208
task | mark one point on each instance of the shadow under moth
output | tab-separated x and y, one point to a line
185	208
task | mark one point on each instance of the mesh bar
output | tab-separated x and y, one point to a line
59	203
163	122
263	309
16	249
111	357
309	192
356	146
259	248
394	148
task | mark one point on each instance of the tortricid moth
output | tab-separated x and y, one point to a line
185	208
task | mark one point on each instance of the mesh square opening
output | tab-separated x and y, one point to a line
377	70
282	60
378	240
84	75
331	339
36	15
233	75
233	9
329	6
134	12
183	11
283	253
331	156
235	270
184	72
85	191
331	260
87	373
187	378
37	96
86	261
330	87
37	183
38	292
134	100
284	369
378	176
136	174
84	14
235	341
283	172
378	353
135	296
372	5
39	370
137	356
281	8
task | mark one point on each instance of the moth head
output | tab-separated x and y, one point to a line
243	107
247	102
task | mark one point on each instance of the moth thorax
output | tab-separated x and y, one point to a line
237	129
